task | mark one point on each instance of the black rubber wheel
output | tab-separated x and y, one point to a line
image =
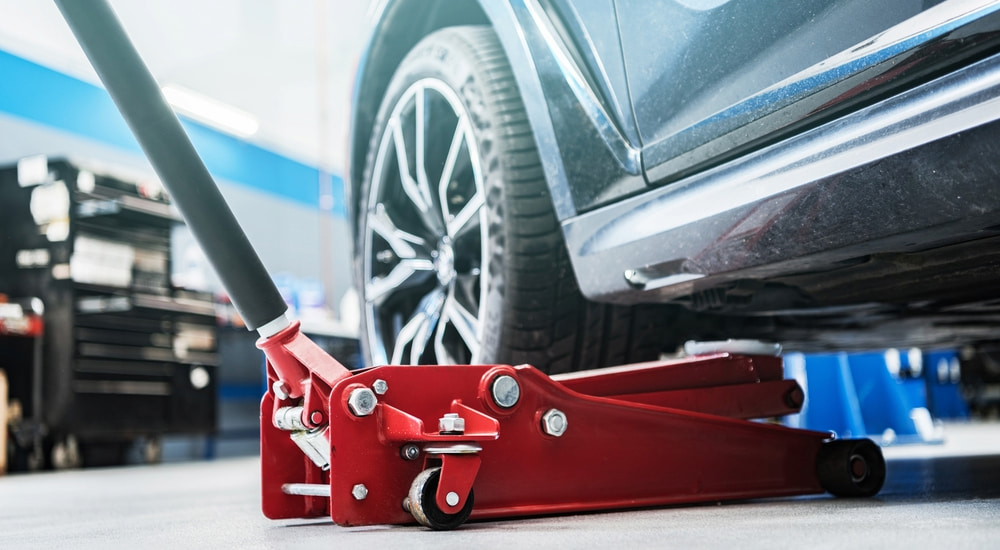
459	255
851	467
423	505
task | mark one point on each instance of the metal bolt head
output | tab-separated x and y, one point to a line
410	452
359	492
452	498
280	389
554	422
451	423
380	386
795	397
505	391
362	402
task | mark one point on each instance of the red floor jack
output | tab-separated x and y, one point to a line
441	444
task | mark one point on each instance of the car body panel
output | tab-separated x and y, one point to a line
839	192
595	156
592	27
680	87
782	69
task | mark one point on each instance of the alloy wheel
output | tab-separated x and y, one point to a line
425	233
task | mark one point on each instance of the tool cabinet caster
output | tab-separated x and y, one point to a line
851	467
422	505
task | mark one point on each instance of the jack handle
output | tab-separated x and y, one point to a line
168	148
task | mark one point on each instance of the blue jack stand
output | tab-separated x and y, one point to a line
860	395
944	396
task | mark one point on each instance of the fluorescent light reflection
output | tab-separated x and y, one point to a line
210	111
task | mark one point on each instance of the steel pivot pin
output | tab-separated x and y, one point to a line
505	391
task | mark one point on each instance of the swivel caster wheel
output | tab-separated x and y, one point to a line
851	467
422	504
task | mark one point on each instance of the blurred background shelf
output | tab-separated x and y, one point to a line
124	356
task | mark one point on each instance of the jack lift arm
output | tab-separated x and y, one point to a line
440	444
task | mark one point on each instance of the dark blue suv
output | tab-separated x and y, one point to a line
580	184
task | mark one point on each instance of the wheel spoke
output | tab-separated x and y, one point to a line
417	331
399	241
448	172
440	350
465	323
406	178
455	223
426	329
423	187
465	215
412	267
405	274
466	287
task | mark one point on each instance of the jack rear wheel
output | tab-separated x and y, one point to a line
422	503
851	468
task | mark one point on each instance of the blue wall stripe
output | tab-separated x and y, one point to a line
37	93
34	92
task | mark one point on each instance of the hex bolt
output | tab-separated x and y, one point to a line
505	391
452	498
409	452
451	423
362	402
795	397
554	422
359	492
380	386
280	389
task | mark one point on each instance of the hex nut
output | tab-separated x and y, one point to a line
362	402
380	386
451	423
554	422
359	492
505	391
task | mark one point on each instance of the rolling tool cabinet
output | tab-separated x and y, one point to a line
125	356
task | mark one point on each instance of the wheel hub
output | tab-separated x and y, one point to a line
859	468
444	262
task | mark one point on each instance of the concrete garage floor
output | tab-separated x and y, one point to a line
942	496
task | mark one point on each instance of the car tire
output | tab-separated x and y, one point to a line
458	251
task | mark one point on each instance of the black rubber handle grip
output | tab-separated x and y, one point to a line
169	150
